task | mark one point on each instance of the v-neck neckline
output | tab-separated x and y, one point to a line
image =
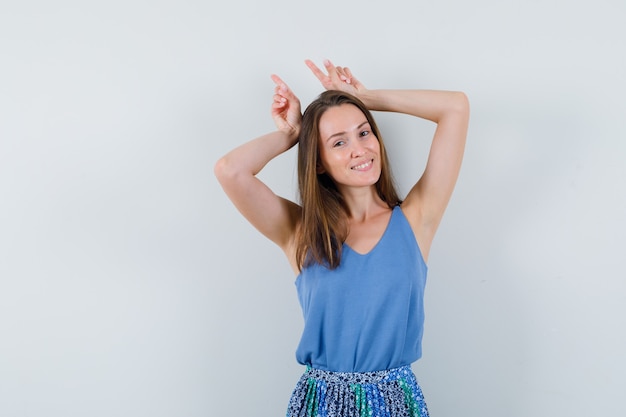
382	237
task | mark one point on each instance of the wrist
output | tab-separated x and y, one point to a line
290	134
369	98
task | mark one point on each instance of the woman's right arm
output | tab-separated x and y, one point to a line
274	216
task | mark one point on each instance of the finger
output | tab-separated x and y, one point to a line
329	66
279	99
281	86
343	75
277	80
340	72
281	90
316	71
354	81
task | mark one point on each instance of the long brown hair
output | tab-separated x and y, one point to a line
323	228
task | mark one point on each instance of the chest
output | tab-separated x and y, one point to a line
363	237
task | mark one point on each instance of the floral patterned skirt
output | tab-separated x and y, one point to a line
389	393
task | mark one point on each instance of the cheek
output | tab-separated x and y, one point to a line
328	157
375	144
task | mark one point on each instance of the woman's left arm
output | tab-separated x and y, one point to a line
429	197
450	111
427	200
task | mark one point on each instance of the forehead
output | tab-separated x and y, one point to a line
342	118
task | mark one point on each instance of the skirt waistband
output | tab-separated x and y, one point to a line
372	377
389	393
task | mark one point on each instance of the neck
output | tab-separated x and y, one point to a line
363	202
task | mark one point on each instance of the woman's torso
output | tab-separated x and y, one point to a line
368	313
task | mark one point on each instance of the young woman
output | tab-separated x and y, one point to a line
358	250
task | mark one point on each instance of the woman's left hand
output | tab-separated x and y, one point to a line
338	78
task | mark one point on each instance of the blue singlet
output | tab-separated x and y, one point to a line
368	313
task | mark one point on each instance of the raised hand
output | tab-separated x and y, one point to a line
286	108
338	78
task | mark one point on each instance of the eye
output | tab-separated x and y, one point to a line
338	143
365	133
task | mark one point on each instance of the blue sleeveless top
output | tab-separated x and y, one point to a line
368	313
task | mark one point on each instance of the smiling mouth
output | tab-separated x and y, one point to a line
364	165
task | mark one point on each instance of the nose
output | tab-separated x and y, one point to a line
357	149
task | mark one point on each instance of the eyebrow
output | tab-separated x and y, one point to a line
343	132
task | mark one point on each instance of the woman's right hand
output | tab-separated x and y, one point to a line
286	109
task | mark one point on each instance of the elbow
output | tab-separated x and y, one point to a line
224	169
219	167
457	108
461	103
231	172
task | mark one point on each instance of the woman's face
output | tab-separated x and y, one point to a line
349	150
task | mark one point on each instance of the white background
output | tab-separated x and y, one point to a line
130	286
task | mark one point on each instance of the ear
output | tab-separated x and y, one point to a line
319	169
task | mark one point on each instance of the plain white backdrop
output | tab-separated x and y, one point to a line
130	286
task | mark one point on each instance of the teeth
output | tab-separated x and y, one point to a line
363	165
